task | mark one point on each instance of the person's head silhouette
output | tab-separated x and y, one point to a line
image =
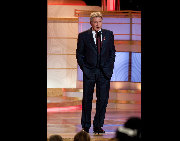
55	138
131	131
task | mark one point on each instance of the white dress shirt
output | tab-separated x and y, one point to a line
94	35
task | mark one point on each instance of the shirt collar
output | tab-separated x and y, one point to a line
93	31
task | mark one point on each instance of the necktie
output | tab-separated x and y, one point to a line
98	41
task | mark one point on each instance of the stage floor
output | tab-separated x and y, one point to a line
67	124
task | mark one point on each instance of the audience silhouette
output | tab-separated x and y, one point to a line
55	138
82	136
131	131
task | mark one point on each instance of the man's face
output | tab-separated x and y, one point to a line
96	23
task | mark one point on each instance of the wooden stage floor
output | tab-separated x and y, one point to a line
64	113
67	123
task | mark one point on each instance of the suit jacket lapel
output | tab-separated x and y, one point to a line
91	39
103	37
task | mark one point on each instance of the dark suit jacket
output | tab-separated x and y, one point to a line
86	52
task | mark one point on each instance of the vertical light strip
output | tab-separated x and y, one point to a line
114	2
110	5
81	27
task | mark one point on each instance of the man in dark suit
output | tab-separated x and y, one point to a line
95	55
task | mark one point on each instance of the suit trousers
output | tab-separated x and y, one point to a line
102	93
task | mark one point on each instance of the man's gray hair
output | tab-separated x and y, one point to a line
95	14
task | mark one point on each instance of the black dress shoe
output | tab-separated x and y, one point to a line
86	129
98	130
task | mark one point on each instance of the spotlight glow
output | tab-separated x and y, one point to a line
64	109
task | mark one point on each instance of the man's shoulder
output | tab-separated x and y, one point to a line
84	32
108	31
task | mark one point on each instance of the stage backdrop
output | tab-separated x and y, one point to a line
63	28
